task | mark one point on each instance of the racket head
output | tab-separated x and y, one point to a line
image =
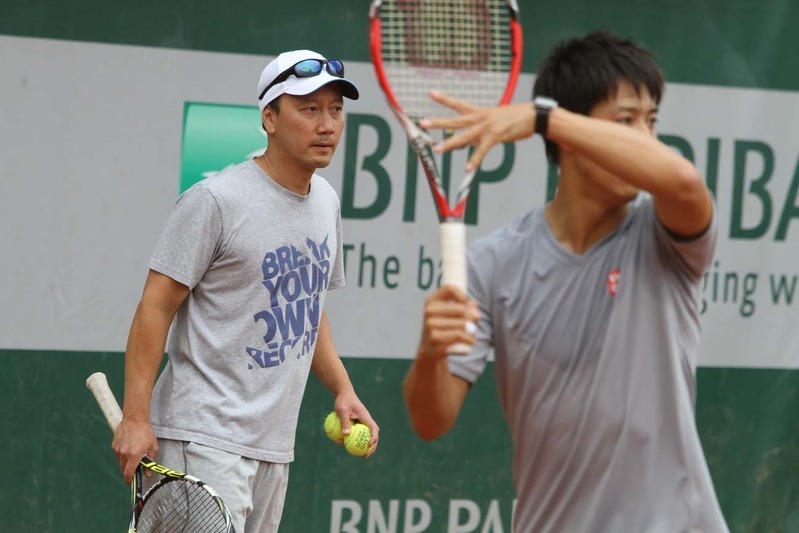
183	503
191	505
469	49
135	497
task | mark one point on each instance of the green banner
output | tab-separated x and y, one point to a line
216	136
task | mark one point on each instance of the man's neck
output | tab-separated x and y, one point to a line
286	174
580	216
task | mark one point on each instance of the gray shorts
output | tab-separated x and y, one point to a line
254	491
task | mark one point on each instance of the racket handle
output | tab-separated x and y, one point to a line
98	384
453	254
453	265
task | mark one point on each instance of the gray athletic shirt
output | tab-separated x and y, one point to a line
258	260
595	365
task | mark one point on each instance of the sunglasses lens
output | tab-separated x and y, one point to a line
335	67
308	68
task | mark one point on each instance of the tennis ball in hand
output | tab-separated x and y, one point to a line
333	427
357	442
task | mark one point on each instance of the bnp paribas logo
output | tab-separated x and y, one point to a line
216	136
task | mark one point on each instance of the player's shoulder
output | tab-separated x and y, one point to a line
511	234
507	245
231	175
216	183
321	186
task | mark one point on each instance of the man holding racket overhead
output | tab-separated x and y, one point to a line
589	304
241	272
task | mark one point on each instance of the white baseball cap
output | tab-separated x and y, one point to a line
298	85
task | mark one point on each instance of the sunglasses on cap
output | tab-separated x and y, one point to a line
308	68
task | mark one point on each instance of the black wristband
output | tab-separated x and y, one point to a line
543	106
541	121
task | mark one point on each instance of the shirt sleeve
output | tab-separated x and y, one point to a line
337	279
190	239
694	255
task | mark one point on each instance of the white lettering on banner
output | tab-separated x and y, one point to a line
378	522
462	516
412	525
338	522
457	523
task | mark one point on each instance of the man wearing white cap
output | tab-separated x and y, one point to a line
241	272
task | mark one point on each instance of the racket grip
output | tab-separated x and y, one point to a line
453	265
98	385
453	254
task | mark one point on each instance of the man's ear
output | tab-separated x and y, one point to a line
268	119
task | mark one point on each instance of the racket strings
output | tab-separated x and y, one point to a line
181	507
460	47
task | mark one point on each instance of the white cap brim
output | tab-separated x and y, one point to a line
302	86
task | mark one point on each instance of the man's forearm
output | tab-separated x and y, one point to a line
327	365
639	159
143	356
433	397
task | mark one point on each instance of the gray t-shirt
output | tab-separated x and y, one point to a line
595	364
259	260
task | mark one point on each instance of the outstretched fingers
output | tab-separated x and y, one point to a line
481	127
462	107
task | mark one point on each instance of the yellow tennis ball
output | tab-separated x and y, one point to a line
333	427
357	442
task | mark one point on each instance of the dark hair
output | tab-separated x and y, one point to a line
582	72
275	104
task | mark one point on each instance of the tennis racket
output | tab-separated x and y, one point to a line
176	503
469	49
